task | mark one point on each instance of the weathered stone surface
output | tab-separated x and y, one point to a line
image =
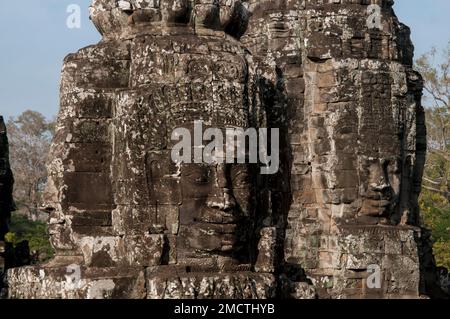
267	249
170	283
352	148
70	282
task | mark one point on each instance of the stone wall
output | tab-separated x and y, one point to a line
127	222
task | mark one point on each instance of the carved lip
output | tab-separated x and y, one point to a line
378	196
218	217
216	229
379	203
384	203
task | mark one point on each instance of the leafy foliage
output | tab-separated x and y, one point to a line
435	198
35	232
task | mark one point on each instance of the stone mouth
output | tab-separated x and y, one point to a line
380	196
384	203
218	218
216	229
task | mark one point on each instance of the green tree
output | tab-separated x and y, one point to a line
35	232
435	198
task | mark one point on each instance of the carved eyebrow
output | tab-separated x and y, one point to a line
195	168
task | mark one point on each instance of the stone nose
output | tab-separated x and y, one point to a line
381	185
225	203
384	189
223	198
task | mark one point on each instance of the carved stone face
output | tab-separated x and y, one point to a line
380	188
215	209
207	206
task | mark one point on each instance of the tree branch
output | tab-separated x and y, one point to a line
435	190
431	181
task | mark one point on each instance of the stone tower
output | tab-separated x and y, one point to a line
335	77
339	74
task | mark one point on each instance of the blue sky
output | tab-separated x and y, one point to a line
35	39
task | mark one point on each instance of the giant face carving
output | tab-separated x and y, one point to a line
209	207
380	189
215	210
165	76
